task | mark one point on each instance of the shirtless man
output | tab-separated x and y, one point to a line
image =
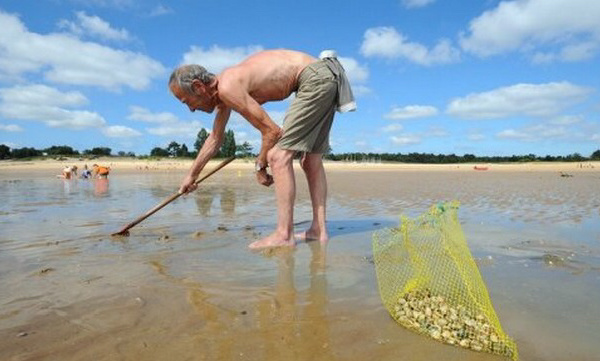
269	76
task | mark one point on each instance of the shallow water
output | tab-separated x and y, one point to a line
183	285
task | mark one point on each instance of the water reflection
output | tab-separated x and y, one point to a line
101	187
160	191
286	322
204	201
227	200
228	197
290	327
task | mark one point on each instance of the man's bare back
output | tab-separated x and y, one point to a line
270	75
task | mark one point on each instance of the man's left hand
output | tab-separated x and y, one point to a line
264	178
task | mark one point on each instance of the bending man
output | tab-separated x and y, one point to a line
270	76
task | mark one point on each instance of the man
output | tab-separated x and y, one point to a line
270	76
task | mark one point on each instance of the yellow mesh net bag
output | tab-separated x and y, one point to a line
430	283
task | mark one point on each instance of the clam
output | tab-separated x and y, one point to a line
453	324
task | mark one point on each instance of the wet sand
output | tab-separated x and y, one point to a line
183	285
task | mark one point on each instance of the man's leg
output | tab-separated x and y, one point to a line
280	161
312	164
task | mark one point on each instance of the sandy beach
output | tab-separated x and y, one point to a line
161	164
184	286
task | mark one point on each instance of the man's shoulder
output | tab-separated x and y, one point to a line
232	77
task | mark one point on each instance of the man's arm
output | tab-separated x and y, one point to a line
236	97
209	149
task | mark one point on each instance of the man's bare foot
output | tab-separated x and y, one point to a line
274	240
311	235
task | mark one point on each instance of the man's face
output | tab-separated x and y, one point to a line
197	100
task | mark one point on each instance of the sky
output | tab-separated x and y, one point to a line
429	76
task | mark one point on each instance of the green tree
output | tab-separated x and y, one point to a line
100	151
4	151
228	147
25	153
595	155
159	152
200	139
183	151
575	157
61	150
173	148
469	158
244	150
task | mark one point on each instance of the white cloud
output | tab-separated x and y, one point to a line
411	111
476	137
386	42
566	120
355	72
216	58
357	75
535	133
392	128
47	105
64	59
10	128
521	99
120	131
513	134
185	129
11	145
160	10
410	4
94	26
566	30
360	90
436	131
407	139
40	94
117	4
145	115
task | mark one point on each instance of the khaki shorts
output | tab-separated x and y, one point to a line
308	120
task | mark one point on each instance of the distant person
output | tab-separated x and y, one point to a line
74	171
100	171
86	173
66	173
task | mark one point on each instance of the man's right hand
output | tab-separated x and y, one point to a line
188	185
264	178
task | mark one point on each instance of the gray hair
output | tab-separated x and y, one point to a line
185	74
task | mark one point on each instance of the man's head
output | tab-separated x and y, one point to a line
195	87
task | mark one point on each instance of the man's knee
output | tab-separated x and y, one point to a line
276	156
311	161
272	155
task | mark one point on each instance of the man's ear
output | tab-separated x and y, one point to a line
197	87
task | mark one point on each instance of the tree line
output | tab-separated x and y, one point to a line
431	158
230	148
174	149
56	150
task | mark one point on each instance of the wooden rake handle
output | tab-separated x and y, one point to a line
124	231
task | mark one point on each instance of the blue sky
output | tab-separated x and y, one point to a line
480	77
